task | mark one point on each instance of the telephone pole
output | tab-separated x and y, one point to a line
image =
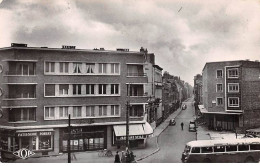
127	116
69	152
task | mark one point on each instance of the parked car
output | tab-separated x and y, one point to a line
172	122
192	126
183	107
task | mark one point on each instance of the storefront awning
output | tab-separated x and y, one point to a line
134	129
35	130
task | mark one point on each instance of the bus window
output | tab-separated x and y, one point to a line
206	150
243	147
255	147
195	150
231	148
219	148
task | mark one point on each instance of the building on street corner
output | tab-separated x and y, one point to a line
40	87
231	91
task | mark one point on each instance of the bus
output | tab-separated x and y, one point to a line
222	151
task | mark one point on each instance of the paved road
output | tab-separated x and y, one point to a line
172	141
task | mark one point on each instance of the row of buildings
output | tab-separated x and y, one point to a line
40	87
228	94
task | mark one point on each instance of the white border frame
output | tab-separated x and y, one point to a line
233	98
217	73
235	68
233	91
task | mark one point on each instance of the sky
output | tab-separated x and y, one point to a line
183	34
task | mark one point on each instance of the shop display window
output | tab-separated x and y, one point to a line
45	142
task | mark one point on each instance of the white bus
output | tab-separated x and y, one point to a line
222	151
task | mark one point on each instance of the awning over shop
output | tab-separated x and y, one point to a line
205	111
134	129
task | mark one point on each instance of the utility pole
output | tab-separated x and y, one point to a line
127	116
69	153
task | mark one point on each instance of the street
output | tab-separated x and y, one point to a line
173	139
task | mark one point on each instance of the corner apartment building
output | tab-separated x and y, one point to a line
40	87
231	91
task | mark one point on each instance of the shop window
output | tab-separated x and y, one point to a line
77	89
90	68
50	67
77	68
64	67
63	89
49	90
233	73
114	88
90	89
49	112
45	142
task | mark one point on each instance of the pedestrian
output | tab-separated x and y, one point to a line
123	157
117	158
182	125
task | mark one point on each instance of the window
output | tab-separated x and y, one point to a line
255	147
63	89
102	89
64	112
219	148
219	73
233	73
231	148
219	101
25	69
136	111
45	142
219	87
102	68
233	87
206	150
22	114
49	112
50	90
50	67
114	110
90	111
77	89
114	68
64	67
77	112
90	67
114	88
243	147
195	150
233	102
77	68
90	89
102	110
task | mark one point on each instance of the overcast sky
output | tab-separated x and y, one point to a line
183	34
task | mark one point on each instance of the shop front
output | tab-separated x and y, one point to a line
138	133
83	138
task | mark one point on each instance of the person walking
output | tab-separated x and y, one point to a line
182	125
123	160
117	158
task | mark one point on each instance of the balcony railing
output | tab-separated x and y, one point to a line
13	73
21	96
136	74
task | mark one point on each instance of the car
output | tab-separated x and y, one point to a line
192	126
172	122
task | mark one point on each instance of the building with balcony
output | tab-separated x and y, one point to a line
231	91
40	87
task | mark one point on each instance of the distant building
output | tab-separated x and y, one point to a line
198	88
40	87
231	92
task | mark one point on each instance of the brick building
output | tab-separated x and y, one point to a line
40	87
231	94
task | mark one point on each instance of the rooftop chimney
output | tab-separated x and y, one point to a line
122	49
18	45
68	47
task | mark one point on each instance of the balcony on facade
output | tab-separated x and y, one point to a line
21	92
135	70
136	90
136	110
22	115
21	68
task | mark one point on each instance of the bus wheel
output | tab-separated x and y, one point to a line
207	161
249	160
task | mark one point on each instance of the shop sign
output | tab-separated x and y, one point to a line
43	133
132	137
26	134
